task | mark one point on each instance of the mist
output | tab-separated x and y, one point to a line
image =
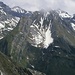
33	5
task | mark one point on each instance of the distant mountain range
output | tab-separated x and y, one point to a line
36	43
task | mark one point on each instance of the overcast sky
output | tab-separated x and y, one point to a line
68	5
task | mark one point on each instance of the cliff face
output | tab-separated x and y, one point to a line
44	42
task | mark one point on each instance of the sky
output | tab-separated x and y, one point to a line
32	5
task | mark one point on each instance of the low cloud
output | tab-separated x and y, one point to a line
67	5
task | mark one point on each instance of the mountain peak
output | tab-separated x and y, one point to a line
18	9
63	14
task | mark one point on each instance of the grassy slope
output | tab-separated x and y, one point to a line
6	66
55	66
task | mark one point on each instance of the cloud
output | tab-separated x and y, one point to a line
67	5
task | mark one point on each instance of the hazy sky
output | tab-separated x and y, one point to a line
68	5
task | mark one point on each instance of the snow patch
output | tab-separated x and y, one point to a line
38	39
41	22
1	26
2	12
8	25
27	57
0	7
1	73
18	9
73	26
27	12
46	14
63	14
31	26
32	66
57	46
48	38
10	28
1	38
41	37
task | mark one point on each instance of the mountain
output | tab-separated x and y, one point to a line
6	67
9	18
7	21
19	12
18	9
44	41
38	43
15	11
9	68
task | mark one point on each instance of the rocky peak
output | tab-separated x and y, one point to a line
18	9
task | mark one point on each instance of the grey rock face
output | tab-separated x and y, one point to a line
44	41
59	52
9	18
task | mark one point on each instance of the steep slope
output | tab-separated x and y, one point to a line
6	66
9	68
18	9
44	42
19	12
15	11
7	20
